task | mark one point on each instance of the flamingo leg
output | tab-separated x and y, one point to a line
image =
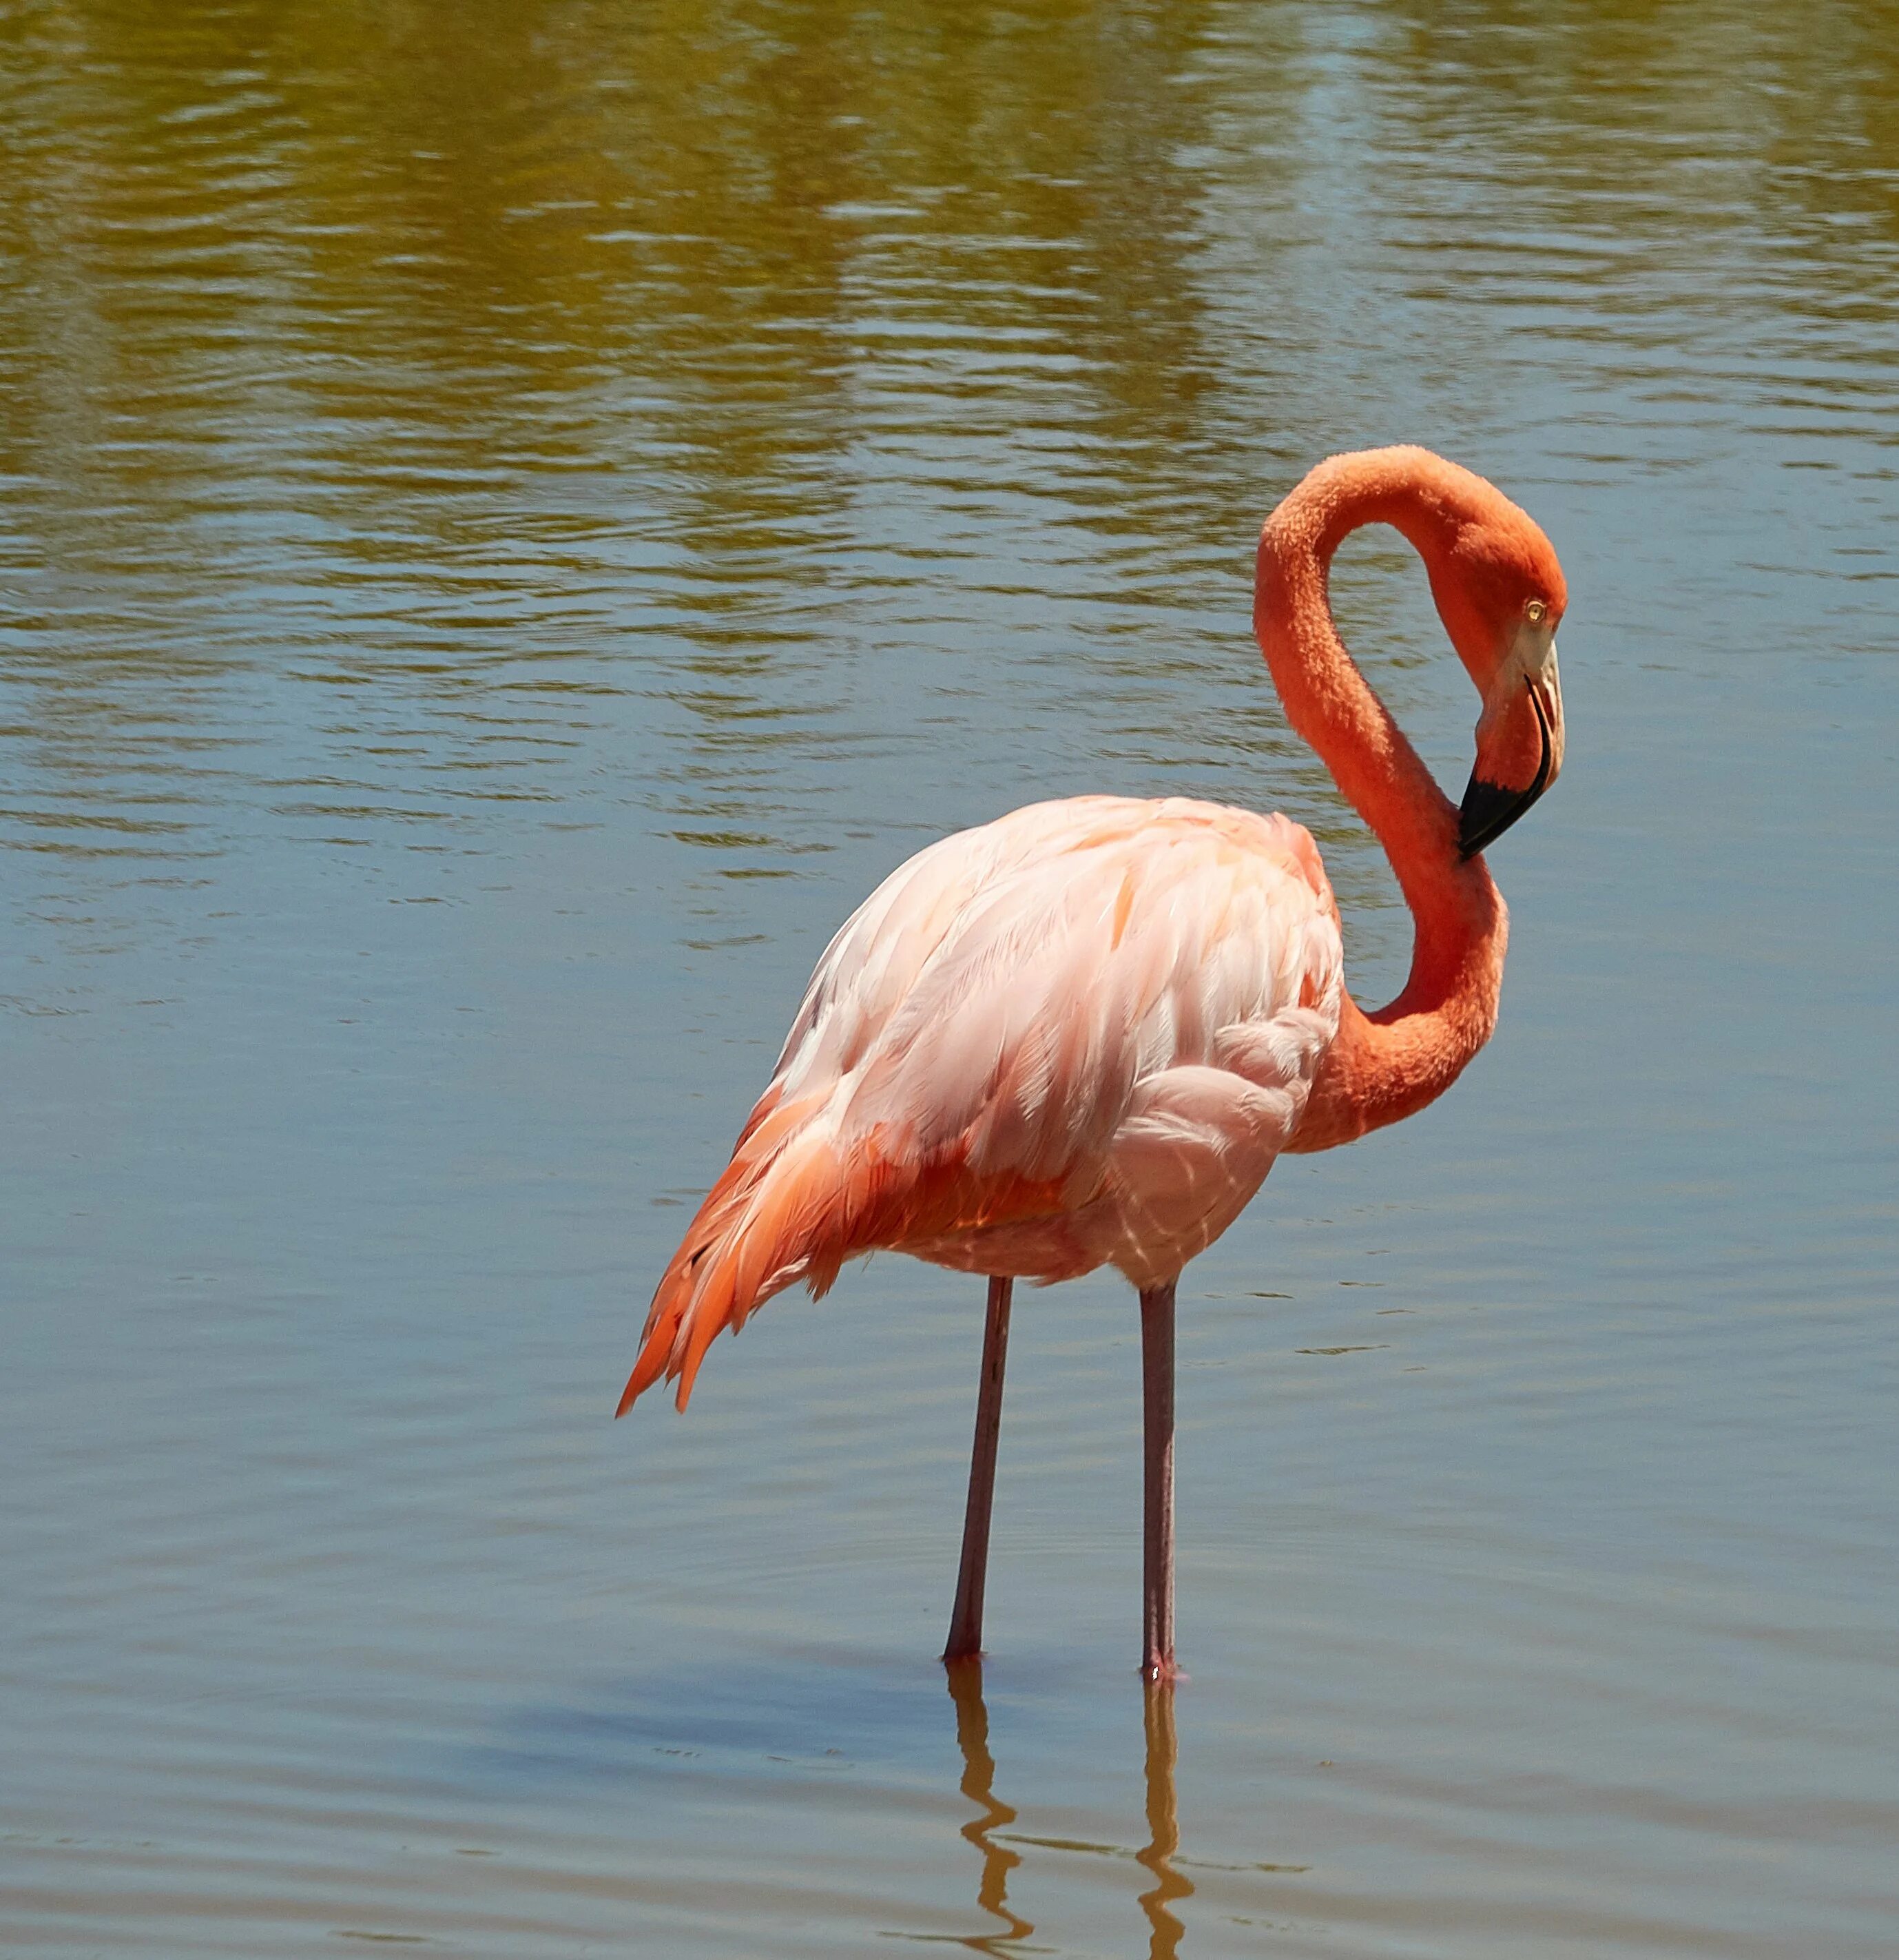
965	1617
1157	1437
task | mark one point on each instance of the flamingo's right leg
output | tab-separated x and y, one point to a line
966	1617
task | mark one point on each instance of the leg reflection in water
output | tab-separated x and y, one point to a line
1163	1827
978	1785
989	1833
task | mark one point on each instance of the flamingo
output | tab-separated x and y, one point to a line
1079	1035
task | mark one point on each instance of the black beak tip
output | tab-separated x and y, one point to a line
1488	810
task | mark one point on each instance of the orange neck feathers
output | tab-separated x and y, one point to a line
1384	1065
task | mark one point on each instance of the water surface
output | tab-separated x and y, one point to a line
512	519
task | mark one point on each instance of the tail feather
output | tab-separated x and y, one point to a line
792	1205
750	1239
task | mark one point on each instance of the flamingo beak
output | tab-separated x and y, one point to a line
1519	742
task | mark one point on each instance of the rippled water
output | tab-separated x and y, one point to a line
511	519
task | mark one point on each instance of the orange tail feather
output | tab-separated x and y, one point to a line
750	1239
789	1207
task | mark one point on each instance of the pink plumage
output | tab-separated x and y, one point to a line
1076	1036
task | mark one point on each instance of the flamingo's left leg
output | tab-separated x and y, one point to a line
1157	1427
966	1617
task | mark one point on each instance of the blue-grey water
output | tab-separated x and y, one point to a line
512	520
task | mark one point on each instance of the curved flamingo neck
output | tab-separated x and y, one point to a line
1383	1065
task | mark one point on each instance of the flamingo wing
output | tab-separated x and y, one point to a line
1079	1034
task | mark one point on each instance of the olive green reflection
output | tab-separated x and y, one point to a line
449	245
355	279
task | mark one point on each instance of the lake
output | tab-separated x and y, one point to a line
513	519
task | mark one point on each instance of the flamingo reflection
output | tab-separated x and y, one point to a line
989	1831
1163	1826
978	1785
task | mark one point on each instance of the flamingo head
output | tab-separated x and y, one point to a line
1500	593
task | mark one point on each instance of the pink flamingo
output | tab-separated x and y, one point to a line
1080	1035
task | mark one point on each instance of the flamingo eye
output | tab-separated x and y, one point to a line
1536	610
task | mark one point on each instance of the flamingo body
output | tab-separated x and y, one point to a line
1078	1035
